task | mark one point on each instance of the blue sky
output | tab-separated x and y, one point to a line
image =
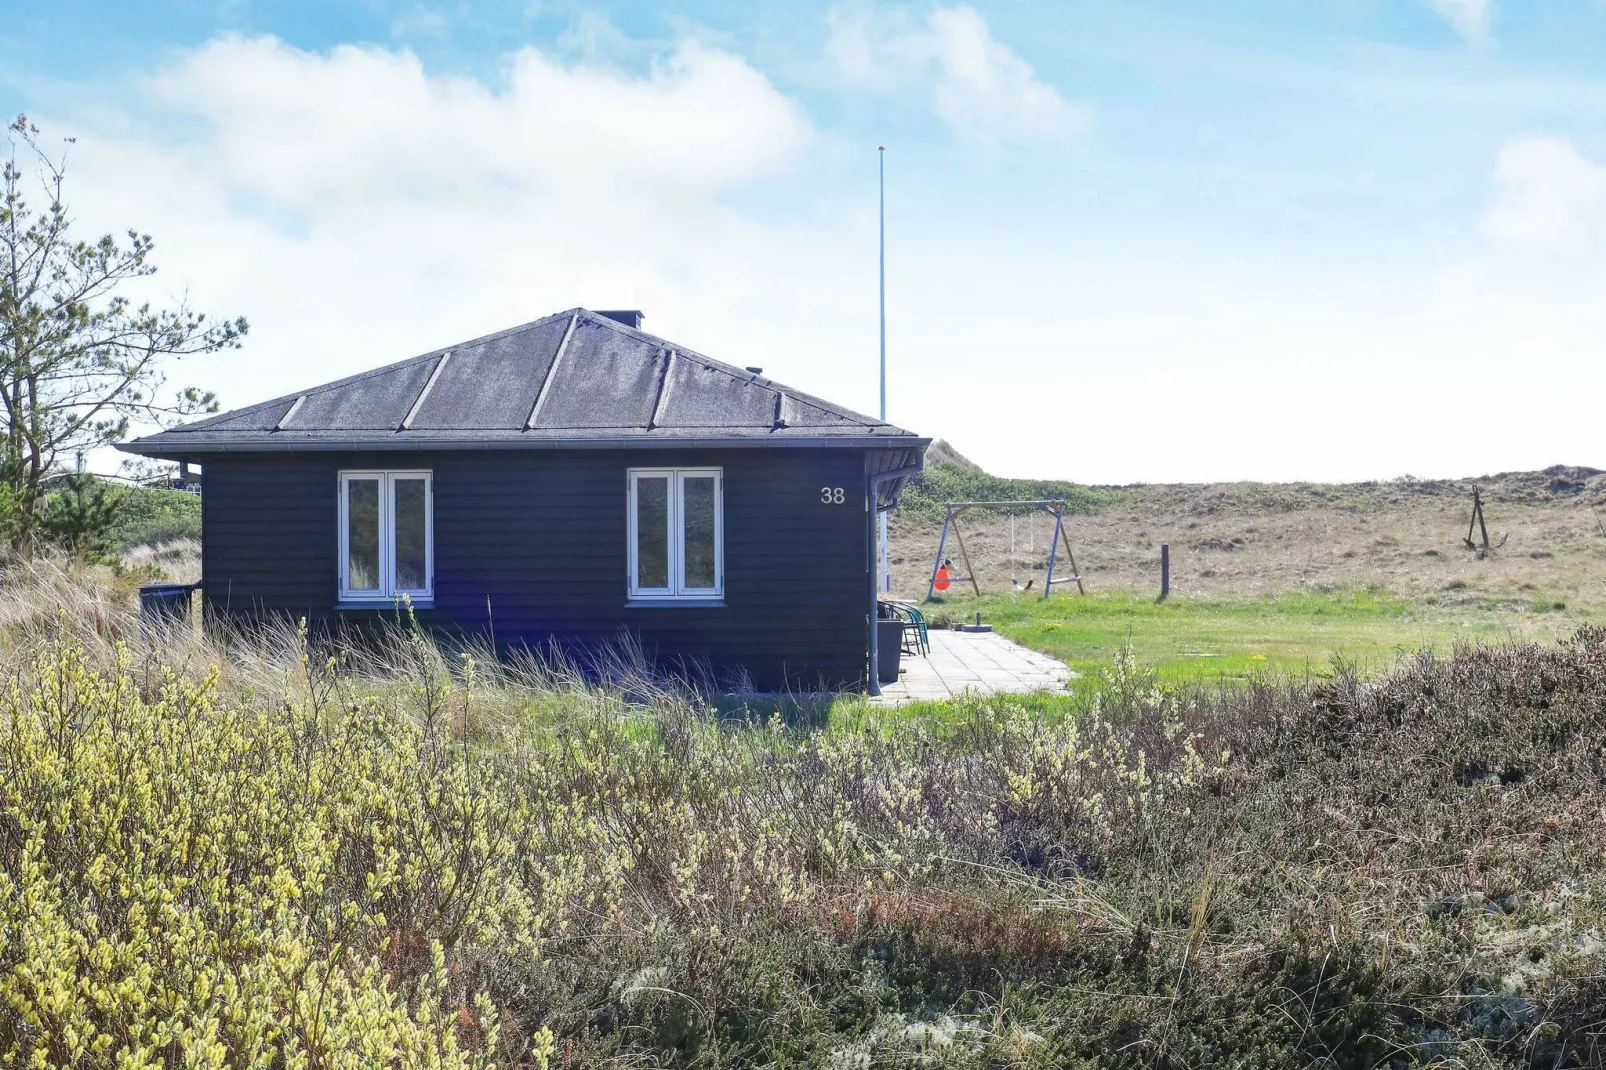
1128	241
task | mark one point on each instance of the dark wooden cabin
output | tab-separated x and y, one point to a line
570	481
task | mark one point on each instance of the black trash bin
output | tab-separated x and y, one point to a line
889	649
165	601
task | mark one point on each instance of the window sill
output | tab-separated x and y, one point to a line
386	603
676	603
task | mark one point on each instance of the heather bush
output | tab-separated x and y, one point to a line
258	850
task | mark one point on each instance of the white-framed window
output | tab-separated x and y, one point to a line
677	533
387	536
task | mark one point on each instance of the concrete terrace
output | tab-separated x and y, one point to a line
983	662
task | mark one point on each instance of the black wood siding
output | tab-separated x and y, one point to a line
534	542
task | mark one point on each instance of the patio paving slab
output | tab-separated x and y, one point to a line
979	662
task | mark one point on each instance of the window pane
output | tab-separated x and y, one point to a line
412	520
699	520
362	534
652	532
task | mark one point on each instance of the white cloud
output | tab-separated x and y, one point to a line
1550	197
979	86
359	208
1471	18
300	127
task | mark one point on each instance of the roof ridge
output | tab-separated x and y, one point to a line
663	389
836	410
744	388
381	370
552	370
732	370
405	362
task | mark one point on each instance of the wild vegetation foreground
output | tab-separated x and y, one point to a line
244	854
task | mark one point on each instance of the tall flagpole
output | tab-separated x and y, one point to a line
881	153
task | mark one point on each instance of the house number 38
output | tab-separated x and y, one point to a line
831	496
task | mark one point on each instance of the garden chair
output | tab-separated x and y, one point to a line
915	638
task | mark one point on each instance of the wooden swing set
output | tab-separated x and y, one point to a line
1054	507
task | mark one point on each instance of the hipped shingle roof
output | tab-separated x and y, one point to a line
573	379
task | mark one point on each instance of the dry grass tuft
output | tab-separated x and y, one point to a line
179	560
263	849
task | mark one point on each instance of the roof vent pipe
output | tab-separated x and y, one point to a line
630	317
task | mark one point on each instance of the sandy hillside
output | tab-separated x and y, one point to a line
1247	539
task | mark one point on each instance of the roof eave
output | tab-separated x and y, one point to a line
164	448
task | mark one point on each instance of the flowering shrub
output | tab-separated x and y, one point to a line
205	884
404	859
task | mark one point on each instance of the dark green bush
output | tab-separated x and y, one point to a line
152	515
79	514
926	494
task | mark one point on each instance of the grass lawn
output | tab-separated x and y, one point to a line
1187	640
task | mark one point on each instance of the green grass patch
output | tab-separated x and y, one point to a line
1294	633
150	515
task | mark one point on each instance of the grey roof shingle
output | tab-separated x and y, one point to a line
573	379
